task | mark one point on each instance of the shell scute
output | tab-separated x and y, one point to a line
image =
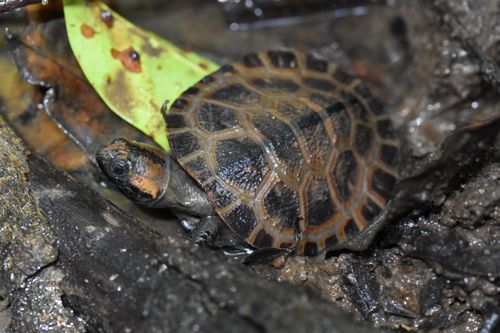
198	166
319	205
319	84
215	118
385	129
263	240
313	131
383	183
235	94
363	139
218	194
351	229
283	59
184	143
240	163
316	64
370	210
356	107
176	120
243	220
274	85
252	60
345	175
343	76
280	138
324	101
282	205
342	124
310	249
389	155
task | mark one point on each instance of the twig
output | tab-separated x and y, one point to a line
9	5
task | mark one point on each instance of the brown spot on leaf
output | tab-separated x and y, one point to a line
129	58
107	18
87	31
117	90
203	65
149	49
186	49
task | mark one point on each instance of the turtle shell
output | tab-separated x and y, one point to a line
292	151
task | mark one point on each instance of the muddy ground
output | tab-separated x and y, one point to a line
435	266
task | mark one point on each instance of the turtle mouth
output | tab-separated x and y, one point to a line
102	158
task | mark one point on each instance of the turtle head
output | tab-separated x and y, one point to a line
137	170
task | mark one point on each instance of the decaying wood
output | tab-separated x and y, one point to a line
89	266
8	5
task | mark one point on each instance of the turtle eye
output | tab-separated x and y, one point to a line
120	167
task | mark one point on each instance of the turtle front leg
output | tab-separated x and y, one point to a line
206	230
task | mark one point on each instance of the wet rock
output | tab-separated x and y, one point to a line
363	289
451	249
464	231
477	201
40	307
27	248
27	241
446	89
430	296
426	180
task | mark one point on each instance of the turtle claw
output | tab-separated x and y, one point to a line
206	230
264	256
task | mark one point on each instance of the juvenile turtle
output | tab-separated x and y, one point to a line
285	149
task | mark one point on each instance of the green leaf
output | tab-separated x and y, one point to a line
134	71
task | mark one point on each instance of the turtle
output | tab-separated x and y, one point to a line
282	149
